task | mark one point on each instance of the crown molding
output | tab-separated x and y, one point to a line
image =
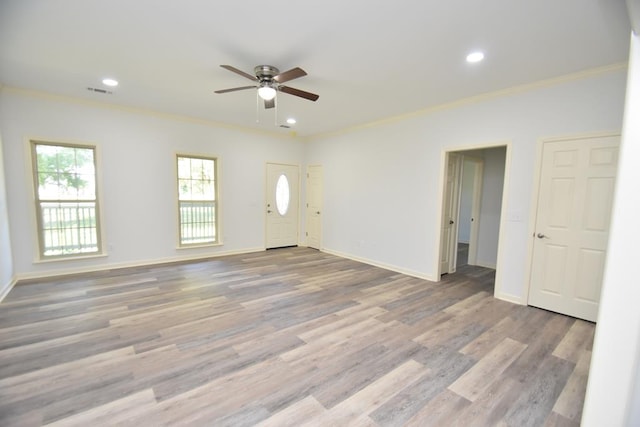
621	66
142	111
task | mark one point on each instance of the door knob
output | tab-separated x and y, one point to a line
450	222
318	213
541	236
268	211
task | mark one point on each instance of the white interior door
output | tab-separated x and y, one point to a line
314	206
572	225
475	208
282	205
448	236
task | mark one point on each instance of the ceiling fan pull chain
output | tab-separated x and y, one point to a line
257	108
275	120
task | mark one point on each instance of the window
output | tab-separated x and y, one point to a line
282	195
66	199
197	190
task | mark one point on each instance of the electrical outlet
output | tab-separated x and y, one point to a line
515	216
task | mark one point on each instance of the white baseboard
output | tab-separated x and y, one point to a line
143	263
510	298
4	290
485	264
390	267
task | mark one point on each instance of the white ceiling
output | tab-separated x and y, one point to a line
367	59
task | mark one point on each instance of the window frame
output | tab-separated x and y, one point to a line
216	201
40	231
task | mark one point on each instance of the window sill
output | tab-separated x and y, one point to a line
68	259
203	245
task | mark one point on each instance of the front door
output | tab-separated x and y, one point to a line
572	225
282	205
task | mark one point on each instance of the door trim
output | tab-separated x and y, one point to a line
535	194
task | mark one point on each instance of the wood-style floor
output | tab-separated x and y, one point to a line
287	337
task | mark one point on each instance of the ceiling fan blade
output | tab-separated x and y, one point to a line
301	93
242	73
293	73
233	89
270	103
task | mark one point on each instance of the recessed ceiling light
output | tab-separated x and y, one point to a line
291	121
110	82
475	57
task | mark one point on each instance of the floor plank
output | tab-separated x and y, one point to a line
568	403
579	338
296	414
472	383
129	411
444	409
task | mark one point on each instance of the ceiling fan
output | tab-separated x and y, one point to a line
269	81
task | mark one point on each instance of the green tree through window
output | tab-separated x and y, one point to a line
59	166
66	199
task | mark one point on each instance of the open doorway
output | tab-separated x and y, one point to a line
472	206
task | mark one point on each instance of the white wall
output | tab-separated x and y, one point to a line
490	206
613	397
137	158
382	183
633	416
6	260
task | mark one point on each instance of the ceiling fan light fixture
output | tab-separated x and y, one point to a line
267	92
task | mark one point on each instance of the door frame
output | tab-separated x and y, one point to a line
503	211
535	194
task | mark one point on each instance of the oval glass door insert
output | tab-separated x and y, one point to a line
282	195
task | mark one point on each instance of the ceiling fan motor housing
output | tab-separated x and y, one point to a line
266	72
